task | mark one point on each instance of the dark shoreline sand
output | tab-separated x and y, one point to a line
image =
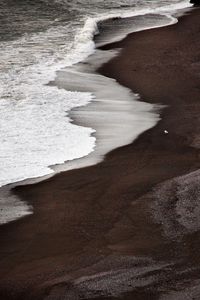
124	226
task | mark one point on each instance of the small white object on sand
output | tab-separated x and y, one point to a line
166	132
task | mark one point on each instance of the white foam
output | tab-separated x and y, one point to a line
36	133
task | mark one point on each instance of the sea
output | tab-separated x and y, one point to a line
45	86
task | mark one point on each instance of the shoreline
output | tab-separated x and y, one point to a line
112	103
107	103
79	226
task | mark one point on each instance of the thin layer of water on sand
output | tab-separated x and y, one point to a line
116	114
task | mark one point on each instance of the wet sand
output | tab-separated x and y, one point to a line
127	228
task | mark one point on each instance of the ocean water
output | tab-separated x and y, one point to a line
37	40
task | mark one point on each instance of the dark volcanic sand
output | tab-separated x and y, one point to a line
128	227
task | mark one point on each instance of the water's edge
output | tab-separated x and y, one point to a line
111	99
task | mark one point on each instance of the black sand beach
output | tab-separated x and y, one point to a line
127	228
